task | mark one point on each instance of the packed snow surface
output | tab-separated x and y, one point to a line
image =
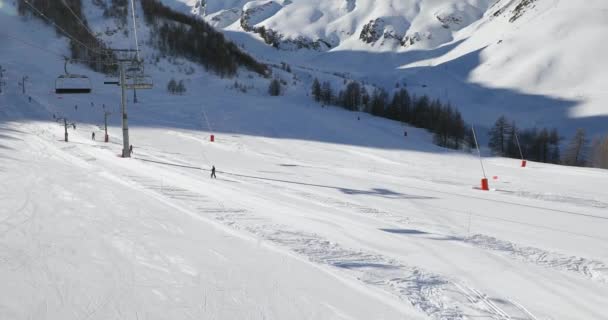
316	213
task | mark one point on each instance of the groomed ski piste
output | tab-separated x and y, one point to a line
313	215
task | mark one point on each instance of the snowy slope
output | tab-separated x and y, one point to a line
541	62
314	215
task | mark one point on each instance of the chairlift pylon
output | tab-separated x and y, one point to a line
72	83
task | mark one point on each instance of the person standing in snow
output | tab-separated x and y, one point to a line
213	172
131	150
92	135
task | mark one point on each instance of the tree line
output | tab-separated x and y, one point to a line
442	119
183	35
98	59
543	145
176	87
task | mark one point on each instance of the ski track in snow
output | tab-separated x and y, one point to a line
592	269
437	296
558	198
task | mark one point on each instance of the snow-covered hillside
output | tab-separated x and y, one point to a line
541	62
316	212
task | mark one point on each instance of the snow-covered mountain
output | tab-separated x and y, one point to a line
316	212
348	23
541	62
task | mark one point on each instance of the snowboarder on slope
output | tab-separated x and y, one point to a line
213	172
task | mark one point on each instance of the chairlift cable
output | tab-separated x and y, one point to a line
33	45
77	18
135	30
50	52
58	27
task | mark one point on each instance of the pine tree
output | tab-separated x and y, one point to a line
457	129
365	99
326	92
405	103
576	152
421	112
352	96
378	102
316	90
498	136
543	145
172	86
554	140
394	109
181	88
274	89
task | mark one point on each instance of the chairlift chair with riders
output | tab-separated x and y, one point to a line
72	83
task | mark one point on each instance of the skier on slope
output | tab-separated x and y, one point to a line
213	172
92	135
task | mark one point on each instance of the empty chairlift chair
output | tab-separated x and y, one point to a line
137	79
72	83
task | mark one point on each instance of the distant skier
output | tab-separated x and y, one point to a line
405	133
29	98
213	172
93	136
75	107
358	118
131	150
